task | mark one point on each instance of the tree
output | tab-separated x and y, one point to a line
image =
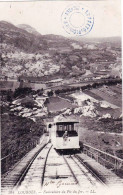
9	95
6	78
40	92
57	91
50	93
22	91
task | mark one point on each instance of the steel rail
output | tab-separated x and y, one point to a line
26	169
76	180
91	171
44	168
82	170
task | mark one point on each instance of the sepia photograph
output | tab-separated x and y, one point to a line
61	97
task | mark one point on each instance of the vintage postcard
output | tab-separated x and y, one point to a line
61	97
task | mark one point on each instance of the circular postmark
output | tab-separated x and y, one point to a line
77	20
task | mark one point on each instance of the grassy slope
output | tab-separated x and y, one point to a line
17	131
98	134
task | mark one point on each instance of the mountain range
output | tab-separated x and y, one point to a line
24	51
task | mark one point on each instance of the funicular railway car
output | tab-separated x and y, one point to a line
64	134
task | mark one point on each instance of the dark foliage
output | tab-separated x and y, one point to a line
22	91
110	81
40	92
50	93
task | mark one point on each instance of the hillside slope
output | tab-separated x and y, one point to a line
25	51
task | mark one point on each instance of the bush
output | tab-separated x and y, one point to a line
22	91
50	93
28	104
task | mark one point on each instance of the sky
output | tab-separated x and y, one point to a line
45	16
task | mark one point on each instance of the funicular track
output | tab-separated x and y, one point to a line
97	177
17	175
82	174
38	162
49	165
18	183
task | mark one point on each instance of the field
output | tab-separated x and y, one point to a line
58	104
93	95
105	141
109	94
6	85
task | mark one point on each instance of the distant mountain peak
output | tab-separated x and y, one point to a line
28	28
6	24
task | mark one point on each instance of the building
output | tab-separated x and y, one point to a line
55	82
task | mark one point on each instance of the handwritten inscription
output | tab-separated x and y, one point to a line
59	183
